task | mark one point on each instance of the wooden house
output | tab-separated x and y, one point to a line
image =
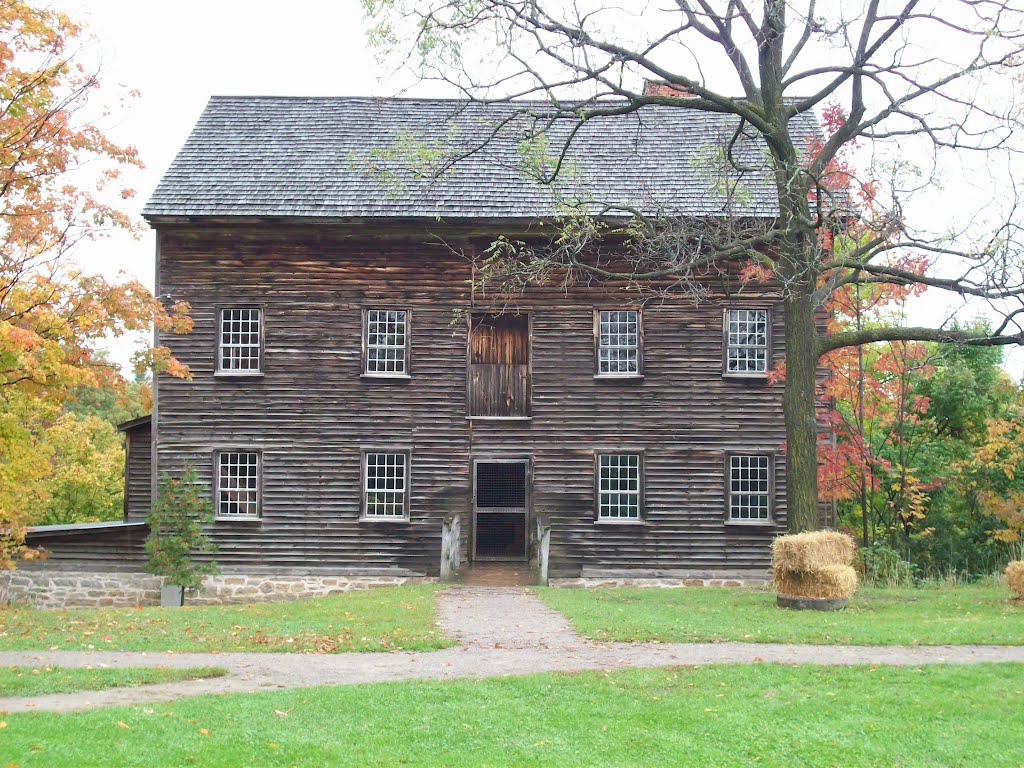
353	387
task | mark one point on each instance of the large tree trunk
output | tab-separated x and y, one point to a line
799	404
797	258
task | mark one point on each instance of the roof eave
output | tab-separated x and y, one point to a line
163	220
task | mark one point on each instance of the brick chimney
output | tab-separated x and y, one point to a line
661	88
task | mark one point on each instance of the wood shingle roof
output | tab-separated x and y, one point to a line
342	158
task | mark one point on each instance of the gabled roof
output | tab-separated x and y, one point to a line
140	421
323	158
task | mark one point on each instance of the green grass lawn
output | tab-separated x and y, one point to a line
381	619
973	614
38	681
756	715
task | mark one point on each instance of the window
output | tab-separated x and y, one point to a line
240	340
618	486
618	342
746	351
238	484
387	342
749	488
385	485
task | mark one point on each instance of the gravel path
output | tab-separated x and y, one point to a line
502	631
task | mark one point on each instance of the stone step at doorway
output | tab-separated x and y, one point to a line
498	575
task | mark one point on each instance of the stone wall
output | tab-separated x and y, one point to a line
258	588
656	582
66	589
666	578
85	589
44	588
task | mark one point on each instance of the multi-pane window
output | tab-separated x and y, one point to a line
618	486
618	342
387	337
746	341
385	485
239	348
238	484
749	488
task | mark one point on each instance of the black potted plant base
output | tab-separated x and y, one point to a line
812	603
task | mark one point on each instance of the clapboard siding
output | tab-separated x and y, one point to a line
138	471
117	548
310	413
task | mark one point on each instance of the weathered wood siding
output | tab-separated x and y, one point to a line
138	471
118	548
311	413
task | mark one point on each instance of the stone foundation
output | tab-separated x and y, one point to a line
43	588
653	582
667	578
258	588
88	589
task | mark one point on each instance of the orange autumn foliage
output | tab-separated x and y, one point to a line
60	183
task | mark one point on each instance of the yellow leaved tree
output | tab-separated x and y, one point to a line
60	183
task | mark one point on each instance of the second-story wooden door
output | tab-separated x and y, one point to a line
499	366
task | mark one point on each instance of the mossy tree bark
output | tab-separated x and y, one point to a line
799	406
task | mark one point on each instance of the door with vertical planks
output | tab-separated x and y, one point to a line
499	366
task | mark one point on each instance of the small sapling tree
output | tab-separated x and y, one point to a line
176	534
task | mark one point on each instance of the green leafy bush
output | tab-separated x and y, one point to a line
176	532
883	566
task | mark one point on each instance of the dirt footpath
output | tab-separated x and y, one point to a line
501	631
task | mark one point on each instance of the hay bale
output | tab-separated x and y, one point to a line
828	581
1015	577
806	552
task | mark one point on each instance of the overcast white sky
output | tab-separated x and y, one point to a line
179	54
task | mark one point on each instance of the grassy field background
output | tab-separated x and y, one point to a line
755	715
380	619
981	614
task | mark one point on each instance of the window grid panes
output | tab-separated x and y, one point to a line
749	487
238	484
240	339
618	345
747	342
385	485
386	336
618	486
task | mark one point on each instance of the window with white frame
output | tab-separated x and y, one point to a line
385	485
238	484
239	350
618	342
387	339
746	341
749	488
618	486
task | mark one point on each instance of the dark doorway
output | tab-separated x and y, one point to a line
500	510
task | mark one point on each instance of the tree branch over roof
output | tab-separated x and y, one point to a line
892	81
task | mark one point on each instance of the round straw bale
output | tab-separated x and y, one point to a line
803	552
1015	577
828	581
